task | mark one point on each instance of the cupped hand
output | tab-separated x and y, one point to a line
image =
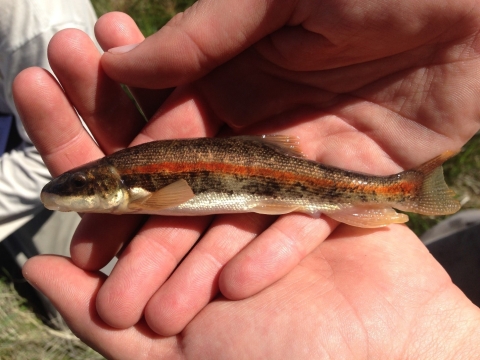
361	294
374	88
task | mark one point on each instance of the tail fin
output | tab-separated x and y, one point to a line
433	196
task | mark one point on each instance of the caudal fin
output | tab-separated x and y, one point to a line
433	197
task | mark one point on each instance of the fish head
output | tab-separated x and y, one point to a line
94	187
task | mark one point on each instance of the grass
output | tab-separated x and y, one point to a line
149	15
24	336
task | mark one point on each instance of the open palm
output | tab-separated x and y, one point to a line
375	89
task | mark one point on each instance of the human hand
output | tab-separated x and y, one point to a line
361	294
362	102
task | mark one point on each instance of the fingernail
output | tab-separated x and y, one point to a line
122	49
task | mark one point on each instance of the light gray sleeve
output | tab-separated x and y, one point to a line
22	176
22	171
26	27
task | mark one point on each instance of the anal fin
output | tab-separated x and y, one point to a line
367	217
169	196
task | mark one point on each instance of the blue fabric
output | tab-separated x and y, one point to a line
5	125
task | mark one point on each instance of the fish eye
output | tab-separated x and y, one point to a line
78	180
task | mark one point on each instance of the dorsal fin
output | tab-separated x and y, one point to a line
288	145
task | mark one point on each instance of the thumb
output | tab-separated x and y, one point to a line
194	42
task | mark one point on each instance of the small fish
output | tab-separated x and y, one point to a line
262	174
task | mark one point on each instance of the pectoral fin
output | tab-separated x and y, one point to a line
169	196
367	217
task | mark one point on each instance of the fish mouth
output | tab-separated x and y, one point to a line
50	201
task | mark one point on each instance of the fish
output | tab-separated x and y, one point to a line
265	174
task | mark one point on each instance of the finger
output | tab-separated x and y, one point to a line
144	266
194	42
183	115
72	291
194	284
116	29
51	122
99	237
47	111
273	254
104	106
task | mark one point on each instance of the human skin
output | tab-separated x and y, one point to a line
375	88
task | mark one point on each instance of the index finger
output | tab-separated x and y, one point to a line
51	121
